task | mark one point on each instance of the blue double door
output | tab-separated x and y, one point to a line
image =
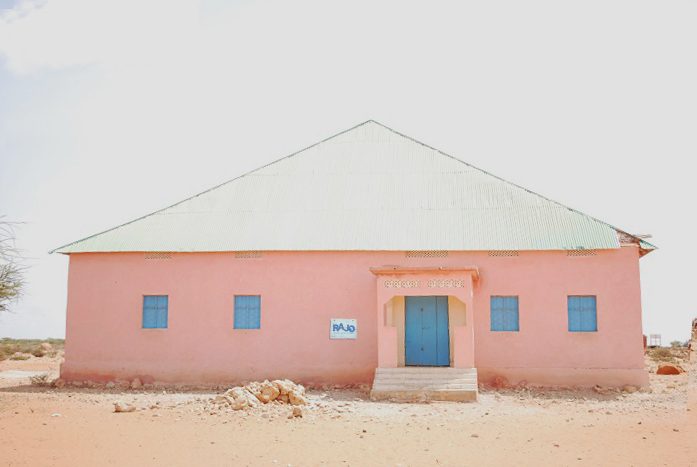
426	338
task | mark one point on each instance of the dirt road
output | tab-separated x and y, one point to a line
78	426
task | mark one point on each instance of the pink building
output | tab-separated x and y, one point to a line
367	258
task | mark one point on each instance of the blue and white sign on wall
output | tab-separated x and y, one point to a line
343	329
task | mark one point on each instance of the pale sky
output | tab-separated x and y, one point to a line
113	110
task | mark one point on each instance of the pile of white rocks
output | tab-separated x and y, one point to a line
255	393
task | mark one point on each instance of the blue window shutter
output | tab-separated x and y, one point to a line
255	313
155	311
244	318
148	312
240	318
512	313
574	311
496	314
589	316
163	308
582	312
504	313
247	312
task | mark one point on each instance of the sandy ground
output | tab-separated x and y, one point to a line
77	426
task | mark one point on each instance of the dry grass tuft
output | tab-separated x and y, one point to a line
20	356
9	347
667	354
40	380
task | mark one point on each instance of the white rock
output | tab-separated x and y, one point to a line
123	407
296	398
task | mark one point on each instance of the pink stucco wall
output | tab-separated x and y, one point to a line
302	291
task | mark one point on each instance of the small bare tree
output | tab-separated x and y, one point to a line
11	269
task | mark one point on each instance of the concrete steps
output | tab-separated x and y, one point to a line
425	383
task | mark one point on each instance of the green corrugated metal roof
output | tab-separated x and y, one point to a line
644	245
368	188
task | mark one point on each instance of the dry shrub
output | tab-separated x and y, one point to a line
20	357
40	380
57	344
661	354
9	347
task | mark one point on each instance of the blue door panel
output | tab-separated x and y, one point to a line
413	332
442	336
426	338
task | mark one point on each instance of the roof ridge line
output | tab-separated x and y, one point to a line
330	138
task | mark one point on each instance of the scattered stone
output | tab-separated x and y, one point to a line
238	398
56	415
110	385
46	347
630	389
269	391
265	392
136	384
123	407
475	435
254	393
77	384
59	383
669	369
123	385
284	386
297	412
296	398
222	400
